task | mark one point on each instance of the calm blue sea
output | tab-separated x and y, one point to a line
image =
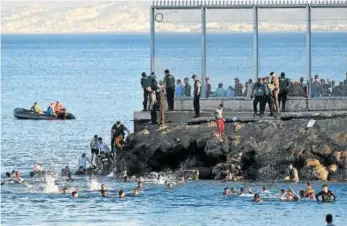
96	76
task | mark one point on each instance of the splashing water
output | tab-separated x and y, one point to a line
50	186
93	184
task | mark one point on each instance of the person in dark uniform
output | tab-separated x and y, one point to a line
326	194
283	94
145	83
117	136
197	94
259	91
169	84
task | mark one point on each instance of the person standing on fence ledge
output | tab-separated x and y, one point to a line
284	89
169	84
197	94
259	93
275	83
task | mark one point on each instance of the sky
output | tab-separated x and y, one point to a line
133	16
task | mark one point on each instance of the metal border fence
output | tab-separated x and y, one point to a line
203	5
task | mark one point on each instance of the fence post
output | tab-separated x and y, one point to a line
203	51
308	49
255	42
152	30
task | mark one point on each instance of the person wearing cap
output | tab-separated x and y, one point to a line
259	93
94	148
275	83
145	83
169	84
36	108
117	136
197	94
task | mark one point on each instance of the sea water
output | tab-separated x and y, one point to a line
97	78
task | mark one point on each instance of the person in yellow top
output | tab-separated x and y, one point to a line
36	108
57	107
275	82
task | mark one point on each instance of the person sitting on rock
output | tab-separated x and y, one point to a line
226	191
326	194
257	198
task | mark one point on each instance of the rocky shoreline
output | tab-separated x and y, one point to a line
267	147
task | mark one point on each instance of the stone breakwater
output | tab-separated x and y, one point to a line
267	147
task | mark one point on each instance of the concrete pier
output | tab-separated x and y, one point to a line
242	108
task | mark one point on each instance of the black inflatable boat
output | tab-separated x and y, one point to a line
21	113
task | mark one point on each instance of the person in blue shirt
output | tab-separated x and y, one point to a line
179	88
50	110
220	91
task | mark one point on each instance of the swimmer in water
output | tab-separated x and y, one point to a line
74	194
181	180
64	191
326	194
290	196
104	193
302	194
233	191
250	191
257	198
309	189
121	193
136	192
169	185
242	191
226	191
67	173
139	184
18	179
264	190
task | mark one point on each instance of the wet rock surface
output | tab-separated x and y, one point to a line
267	147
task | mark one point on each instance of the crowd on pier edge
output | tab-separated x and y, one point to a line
271	89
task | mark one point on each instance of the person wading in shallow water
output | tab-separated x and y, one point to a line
326	194
197	94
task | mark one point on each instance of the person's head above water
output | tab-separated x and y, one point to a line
302	193
74	194
170	185
104	193
64	191
256	196
136	191
283	191
103	187
241	190
264	188
226	191
329	218
121	193
308	184
325	187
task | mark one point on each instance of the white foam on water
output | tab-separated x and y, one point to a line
50	186
93	184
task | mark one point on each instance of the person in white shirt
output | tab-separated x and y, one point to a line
82	162
103	147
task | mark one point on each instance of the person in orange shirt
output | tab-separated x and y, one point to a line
57	107
275	83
